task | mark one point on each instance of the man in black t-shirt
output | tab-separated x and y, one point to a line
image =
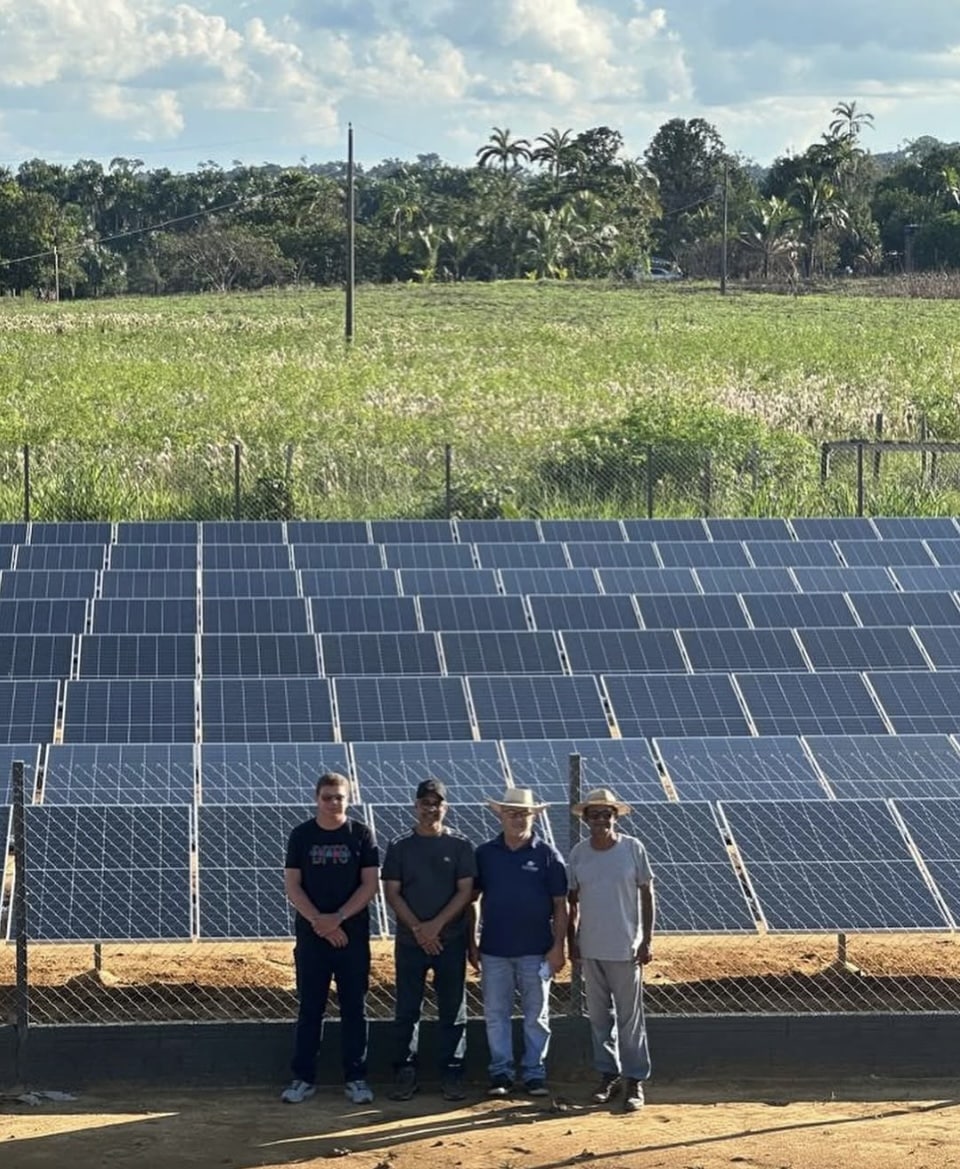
428	880
330	878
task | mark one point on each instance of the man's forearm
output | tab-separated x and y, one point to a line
454	907
647	913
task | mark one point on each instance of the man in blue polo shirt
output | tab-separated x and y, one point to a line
522	883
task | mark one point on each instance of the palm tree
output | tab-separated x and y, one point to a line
818	206
558	152
848	121
769	230
504	150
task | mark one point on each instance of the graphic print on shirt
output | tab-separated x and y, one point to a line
330	854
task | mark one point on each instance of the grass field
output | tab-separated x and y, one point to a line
131	407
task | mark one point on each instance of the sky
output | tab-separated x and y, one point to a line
175	84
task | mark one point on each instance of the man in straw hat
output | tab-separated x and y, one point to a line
611	932
522	883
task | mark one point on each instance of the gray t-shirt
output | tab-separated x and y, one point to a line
428	869
607	881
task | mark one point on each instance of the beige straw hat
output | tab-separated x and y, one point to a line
602	797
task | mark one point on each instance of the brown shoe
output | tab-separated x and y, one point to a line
608	1087
633	1097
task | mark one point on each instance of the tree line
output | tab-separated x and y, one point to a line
565	204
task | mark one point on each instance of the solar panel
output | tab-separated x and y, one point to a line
697	888
39	616
43	655
772	768
429	555
267	773
500	652
29	755
928	579
793	554
934	827
810	704
920	702
830	865
28	710
942	643
718	611
657	529
80	532
47	584
543	707
646	580
944	552
255	615
363	614
108	873
878	648
906	608
141	615
342	582
129	710
748	528
153	557
476	822
396	709
379	653
157	532
799	610
479	823
595	531
12	533
745	580
240	891
119	773
338	556
242	532
448	582
137	655
883	766
482	612
259	655
388	773
61	557
915	527
550	580
649	705
576	611
844	580
525	555
249	582
834	528
701	554
412	531
231	557
613	555
730	650
266	710
496	531
622	651
6	555
625	765
328	532
883	553
172	583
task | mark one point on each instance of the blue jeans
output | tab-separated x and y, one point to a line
500	979
317	964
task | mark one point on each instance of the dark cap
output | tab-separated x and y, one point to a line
432	787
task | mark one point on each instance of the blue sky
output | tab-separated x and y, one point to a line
278	80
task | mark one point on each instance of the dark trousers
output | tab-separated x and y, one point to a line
317	962
449	976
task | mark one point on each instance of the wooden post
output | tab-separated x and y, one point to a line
649	481
575	796
878	429
859	478
448	479
236	480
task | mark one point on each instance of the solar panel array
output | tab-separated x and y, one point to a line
780	697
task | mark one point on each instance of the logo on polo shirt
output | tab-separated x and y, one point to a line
530	867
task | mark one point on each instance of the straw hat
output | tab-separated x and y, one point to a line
602	797
517	797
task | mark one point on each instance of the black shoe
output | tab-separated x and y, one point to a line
536	1088
608	1087
633	1097
452	1087
500	1086
405	1085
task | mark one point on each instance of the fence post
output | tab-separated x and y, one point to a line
649	481
22	991
923	452
236	480
575	796
878	427
824	463
859	478
26	483
448	480
707	483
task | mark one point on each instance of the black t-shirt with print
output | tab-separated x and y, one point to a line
330	860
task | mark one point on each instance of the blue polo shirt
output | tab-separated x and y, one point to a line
518	887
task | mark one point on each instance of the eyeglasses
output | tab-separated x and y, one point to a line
518	813
599	813
334	798
432	804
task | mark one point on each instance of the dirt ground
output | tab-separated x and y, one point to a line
871	1125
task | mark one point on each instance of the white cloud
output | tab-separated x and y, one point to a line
564	27
149	119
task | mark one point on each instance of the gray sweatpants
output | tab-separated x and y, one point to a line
614	992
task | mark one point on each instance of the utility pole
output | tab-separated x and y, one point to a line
351	237
723	254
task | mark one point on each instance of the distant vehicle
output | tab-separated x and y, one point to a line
660	273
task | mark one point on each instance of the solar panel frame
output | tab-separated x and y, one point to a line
449	555
478	612
328	532
129	710
40	655
50	584
577	530
29	754
549	580
249	582
747	528
137	655
379	653
341	582
800	610
745	580
268	773
498	651
666	529
906	608
246	557
448	582
255	615
703	554
884	553
412	531
794	554
626	765
833	528
885	766
810	704
942	645
692	611
878	647
157	532
844	580
134	774
540	706
729	651
170	615
583	611
153	557
927	579
647	580
773	767
363	614
242	532
672	705
38	615
119	584
393	709
28	710
915	527
266	710
61	557
623	555
496	531
919	701
388	772
259	655
944	552
522	555
622	651
6	555
933	826
72	532
13	533
324	557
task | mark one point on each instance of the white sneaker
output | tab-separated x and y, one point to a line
358	1092
297	1092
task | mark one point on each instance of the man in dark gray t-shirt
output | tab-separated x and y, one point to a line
428	880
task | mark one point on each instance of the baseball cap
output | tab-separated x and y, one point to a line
431	787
